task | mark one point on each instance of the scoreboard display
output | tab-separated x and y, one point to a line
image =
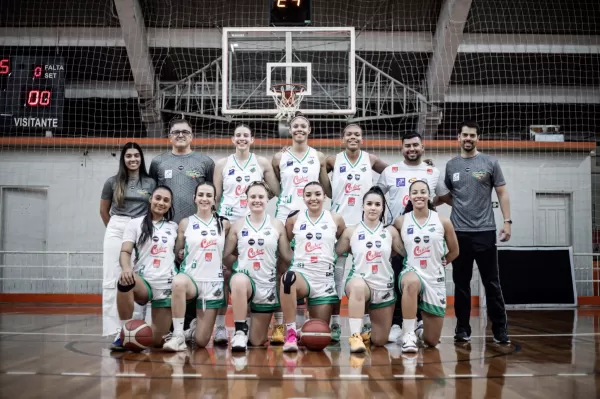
32	93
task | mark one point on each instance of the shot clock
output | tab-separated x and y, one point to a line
32	92
290	12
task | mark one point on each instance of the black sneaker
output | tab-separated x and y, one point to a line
501	337
462	336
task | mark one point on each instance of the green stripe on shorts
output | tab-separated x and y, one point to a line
324	300
162	303
432	309
211	304
383	304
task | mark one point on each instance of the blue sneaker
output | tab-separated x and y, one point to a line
117	345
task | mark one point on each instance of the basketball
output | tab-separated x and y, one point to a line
136	335
316	334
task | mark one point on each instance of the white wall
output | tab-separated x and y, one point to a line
75	181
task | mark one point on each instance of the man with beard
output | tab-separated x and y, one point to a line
470	178
395	181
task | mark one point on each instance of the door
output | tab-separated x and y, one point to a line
552	219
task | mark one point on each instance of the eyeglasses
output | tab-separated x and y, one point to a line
175	133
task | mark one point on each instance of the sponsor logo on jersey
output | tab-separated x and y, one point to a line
238	179
305	169
432	229
303	226
207	243
324	227
426	239
387	295
311	247
268	233
417	239
343	169
155	250
394	169
349	177
261	241
423	263
253	169
372	255
239	190
369	244
309	236
419	251
400	182
361	237
299	192
204	233
300	179
313	259
289	163
196	226
244	233
253	253
194	173
357	177
156	263
168	232
296	170
311	161
251	241
247	178
378	244
208	256
479	175
330	290
429	171
180	167
164	240
351	201
231	172
363	169
213	232
318	236
349	187
410	231
155	239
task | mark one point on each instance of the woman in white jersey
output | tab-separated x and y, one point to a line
294	167
152	237
428	239
256	240
351	177
371	278
200	278
231	177
315	232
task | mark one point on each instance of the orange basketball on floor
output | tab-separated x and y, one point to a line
316	334
136	335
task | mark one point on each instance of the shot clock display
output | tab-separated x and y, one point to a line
290	12
33	92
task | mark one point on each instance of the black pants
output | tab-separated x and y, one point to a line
398	265
479	247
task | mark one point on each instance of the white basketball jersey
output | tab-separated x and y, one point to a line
397	178
314	251
155	260
257	249
349	183
236	177
203	257
371	254
425	245
294	174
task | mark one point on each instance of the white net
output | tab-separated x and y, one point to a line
124	68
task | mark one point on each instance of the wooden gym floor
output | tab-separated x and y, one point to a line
56	351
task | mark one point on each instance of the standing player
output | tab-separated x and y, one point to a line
124	197
294	167
315	232
371	278
351	179
257	239
182	169
425	235
232	175
394	181
200	281
152	237
470	178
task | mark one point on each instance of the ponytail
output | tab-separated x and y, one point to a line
377	191
218	220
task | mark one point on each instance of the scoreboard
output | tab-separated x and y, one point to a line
32	93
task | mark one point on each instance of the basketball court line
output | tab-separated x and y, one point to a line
21	372
353	376
186	375
136	375
230	375
77	374
409	376
301	376
572	374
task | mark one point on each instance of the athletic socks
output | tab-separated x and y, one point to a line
178	325
278	318
335	319
290	326
366	319
408	326
220	322
355	325
241	325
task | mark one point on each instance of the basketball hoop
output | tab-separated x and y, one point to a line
287	97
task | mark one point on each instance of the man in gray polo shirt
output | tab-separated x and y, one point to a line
470	178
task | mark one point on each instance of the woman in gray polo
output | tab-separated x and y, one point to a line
124	196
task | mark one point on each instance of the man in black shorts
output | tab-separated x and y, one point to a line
182	169
470	178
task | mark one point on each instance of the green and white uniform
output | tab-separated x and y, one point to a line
154	262
236	178
257	248
425	249
294	173
372	250
203	261
314	256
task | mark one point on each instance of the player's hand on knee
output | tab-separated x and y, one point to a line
126	278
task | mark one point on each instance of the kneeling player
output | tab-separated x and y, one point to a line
425	235
153	237
371	278
256	238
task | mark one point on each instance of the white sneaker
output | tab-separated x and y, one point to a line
190	333
419	333
221	337
409	343
395	333
174	343
239	342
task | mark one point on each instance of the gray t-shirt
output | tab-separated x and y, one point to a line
470	180
136	196
182	173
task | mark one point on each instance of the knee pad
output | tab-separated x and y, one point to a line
288	278
125	288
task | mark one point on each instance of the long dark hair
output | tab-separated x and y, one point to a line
218	218
147	225
123	173
377	191
409	206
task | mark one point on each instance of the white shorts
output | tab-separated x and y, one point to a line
264	297
158	297
432	297
209	294
320	292
378	297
